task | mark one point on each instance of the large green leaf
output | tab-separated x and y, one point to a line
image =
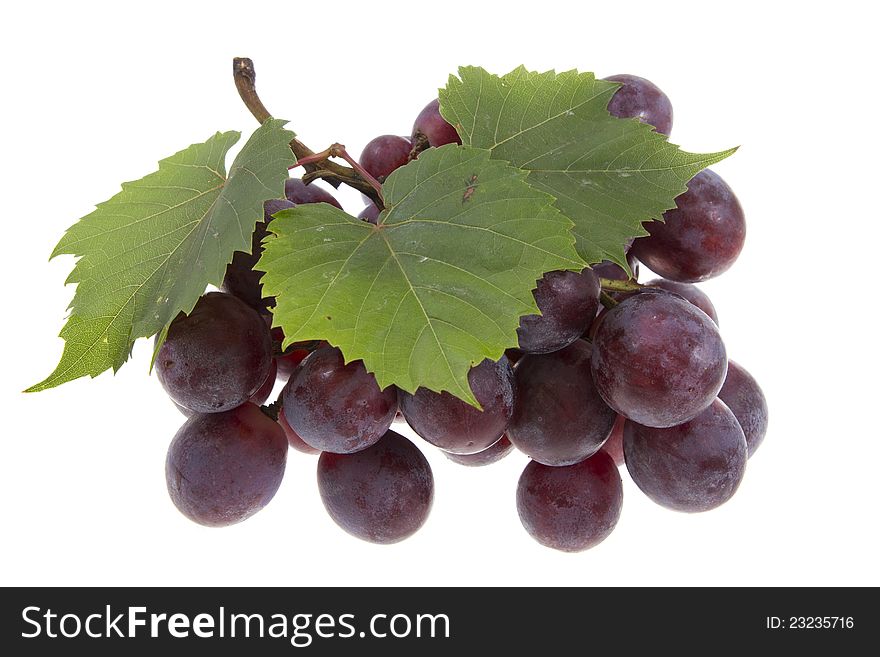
608	175
437	286
149	252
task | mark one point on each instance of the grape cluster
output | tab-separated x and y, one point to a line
600	379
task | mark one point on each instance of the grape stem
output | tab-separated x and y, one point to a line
338	150
245	77
272	410
613	285
607	300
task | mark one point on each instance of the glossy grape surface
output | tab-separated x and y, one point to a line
370	213
699	239
432	125
745	399
695	466
298	192
293	438
614	445
657	359
382	494
262	394
216	357
488	456
336	407
222	468
641	99
384	154
454	425
559	417
689	292
570	508
568	301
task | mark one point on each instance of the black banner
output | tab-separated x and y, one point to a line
325	621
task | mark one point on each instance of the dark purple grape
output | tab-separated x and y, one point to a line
370	213
688	292
657	359
293	438
568	301
559	417
216	357
384	154
382	494
488	456
641	99
454	425
298	192
608	269
262	394
336	407
513	355
745	399
224	467
699	239
695	466
241	279
570	508
434	127
614	445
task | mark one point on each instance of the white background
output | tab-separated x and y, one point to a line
93	96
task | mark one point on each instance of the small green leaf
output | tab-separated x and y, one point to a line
437	286
608	175
149	252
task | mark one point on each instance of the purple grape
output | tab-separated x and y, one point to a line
293	438
657	359
336	407
699	239
488	456
641	99
262	394
608	269
434	127
559	417
224	467
614	445
570	508
384	154
454	425
568	301
370	213
216	357
298	192
745	399
688	292
382	494
241	279
695	466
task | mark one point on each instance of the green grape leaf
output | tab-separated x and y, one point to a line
437	286
149	252
608	174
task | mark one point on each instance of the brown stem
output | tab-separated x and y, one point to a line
245	81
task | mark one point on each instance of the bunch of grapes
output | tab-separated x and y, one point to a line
601	379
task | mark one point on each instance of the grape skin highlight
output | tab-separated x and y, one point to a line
692	467
657	359
570	508
216	357
454	425
559	417
382	494
222	468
